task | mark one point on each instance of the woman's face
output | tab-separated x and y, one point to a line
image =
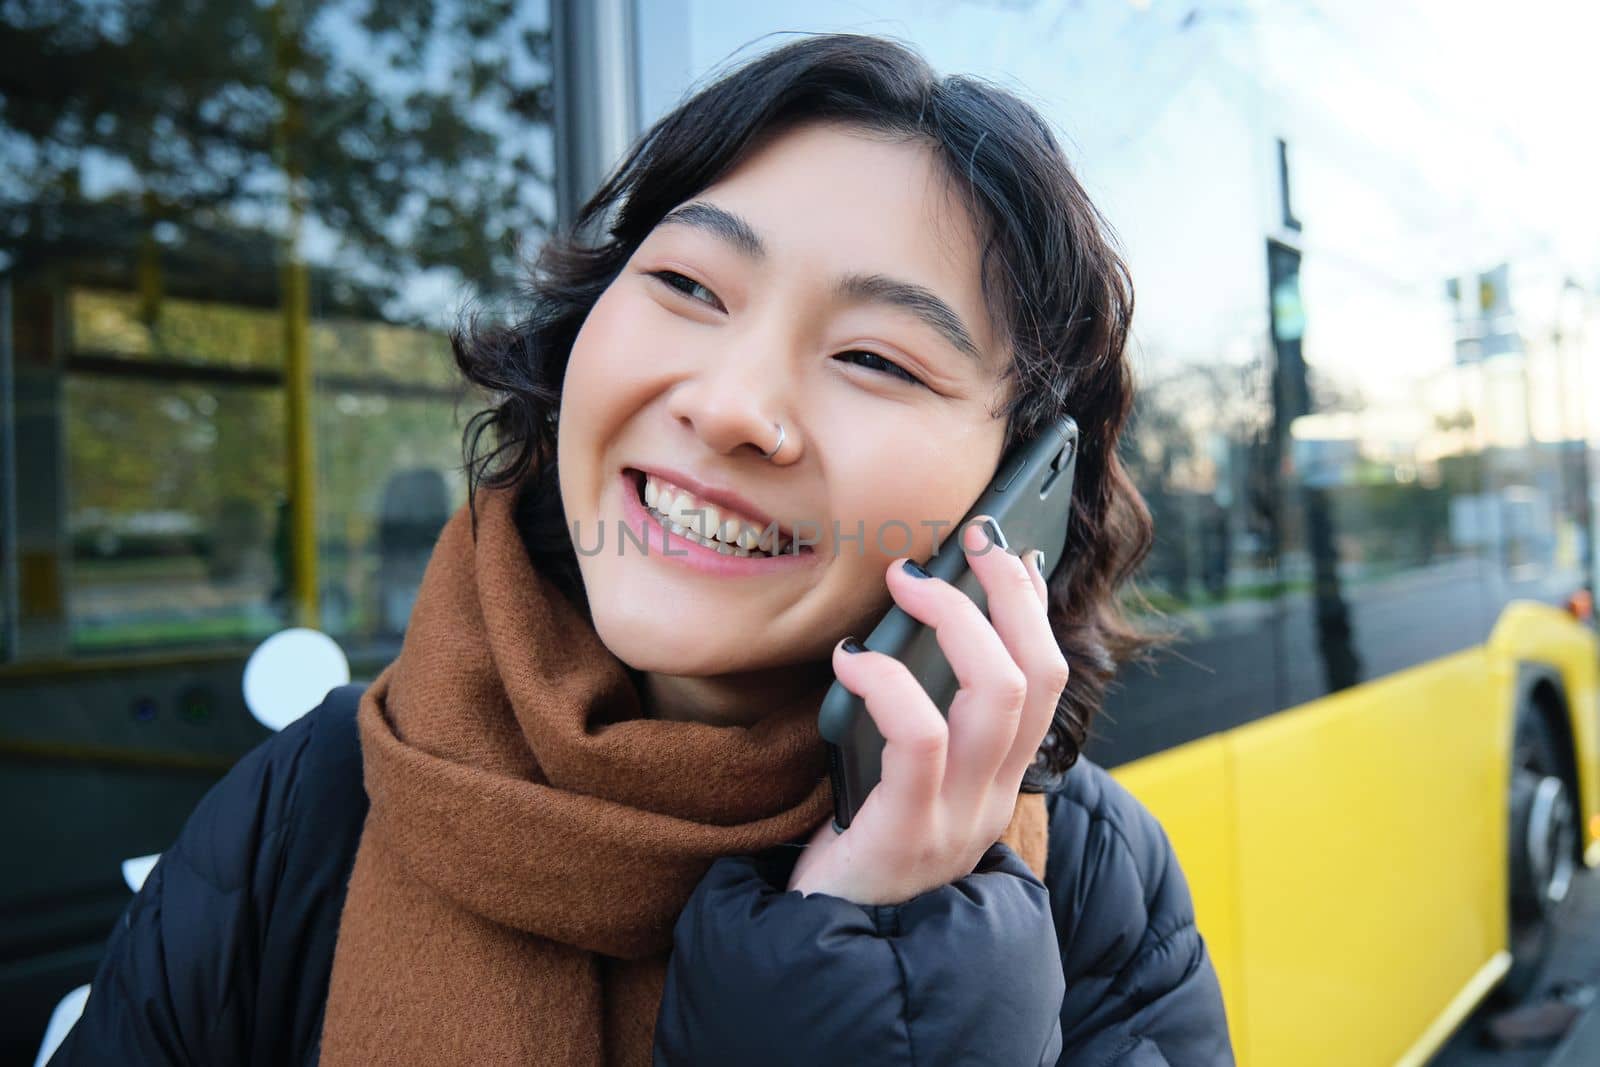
888	412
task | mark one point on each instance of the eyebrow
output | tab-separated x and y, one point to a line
921	301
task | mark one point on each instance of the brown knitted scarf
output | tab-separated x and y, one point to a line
532	836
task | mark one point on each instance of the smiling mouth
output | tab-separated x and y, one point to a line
719	529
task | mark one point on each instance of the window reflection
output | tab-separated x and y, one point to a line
388	482
173	503
1194	433
232	235
236	234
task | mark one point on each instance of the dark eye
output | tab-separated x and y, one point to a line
883	365
687	286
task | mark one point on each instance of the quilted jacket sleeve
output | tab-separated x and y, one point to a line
1100	965
177	983
967	973
1141	990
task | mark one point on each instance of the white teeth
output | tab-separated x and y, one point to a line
722	549
709	525
682	505
709	522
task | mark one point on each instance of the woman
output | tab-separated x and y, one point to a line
834	289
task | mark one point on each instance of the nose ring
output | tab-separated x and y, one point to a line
777	446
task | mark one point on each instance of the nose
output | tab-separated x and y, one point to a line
728	407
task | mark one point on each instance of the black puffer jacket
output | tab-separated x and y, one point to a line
224	955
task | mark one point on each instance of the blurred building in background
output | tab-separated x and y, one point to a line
234	235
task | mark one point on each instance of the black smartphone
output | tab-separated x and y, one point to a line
1030	497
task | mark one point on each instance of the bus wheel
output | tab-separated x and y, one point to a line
1543	844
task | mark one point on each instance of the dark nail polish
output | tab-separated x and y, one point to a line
914	569
995	536
852	646
1038	561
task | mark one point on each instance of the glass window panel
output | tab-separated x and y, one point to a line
203	208
179	538
379	353
389	477
294	186
107	323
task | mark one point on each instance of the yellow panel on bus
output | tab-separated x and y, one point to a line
1347	859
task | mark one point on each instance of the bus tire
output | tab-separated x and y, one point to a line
1542	848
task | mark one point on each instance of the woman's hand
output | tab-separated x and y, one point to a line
948	790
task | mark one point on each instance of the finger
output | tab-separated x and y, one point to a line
986	709
1022	622
914	733
1041	584
1008	589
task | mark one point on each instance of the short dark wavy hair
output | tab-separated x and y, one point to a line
1054	285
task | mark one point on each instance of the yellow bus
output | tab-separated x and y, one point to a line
1383	777
1370	864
